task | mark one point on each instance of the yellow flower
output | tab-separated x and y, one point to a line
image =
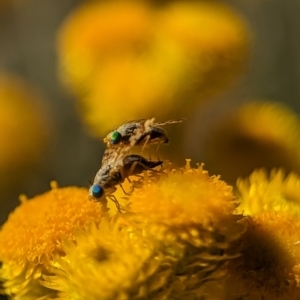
33	235
130	56
179	230
24	129
258	134
108	263
184	197
99	31
215	38
276	192
192	215
268	265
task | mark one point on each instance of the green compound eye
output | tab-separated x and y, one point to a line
115	138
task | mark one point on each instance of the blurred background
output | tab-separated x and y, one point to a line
71	71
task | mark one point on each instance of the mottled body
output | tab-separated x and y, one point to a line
139	133
110	175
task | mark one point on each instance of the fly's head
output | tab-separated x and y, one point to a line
96	191
114	138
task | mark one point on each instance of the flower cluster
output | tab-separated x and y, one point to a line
179	229
34	234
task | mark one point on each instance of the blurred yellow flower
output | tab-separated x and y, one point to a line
215	39
109	263
276	192
132	56
268	265
24	129
258	134
99	31
33	234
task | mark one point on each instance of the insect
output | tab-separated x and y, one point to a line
139	133
110	175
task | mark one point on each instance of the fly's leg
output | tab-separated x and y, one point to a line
119	207
104	205
123	175
127	194
157	152
133	167
145	143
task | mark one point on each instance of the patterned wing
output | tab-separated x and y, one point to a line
135	164
145	126
109	156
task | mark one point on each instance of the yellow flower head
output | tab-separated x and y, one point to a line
34	232
127	55
108	263
276	192
192	215
268	265
183	198
24	129
259	134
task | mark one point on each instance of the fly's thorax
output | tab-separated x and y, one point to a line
102	174
114	178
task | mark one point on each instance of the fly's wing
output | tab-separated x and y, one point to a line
127	128
144	127
156	135
135	164
132	130
109	156
153	134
